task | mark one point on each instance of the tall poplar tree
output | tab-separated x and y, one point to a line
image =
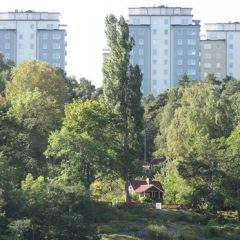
121	88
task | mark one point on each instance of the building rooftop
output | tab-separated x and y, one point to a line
160	10
29	15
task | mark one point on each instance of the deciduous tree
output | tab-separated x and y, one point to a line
122	93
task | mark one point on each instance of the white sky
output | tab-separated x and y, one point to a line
85	20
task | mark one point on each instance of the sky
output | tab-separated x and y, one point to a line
85	21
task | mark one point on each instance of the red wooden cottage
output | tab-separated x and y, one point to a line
147	188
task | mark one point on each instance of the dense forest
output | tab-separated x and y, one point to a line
66	146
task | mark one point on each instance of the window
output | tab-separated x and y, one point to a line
230	56
44	46
154	61
207	65
154	41
56	56
140	52
154	31
179	42
191	62
32	36
230	65
20	36
165	52
7	45
230	46
154	72
207	46
154	82
191	72
32	26
179	62
56	36
218	65
165	82
44	55
191	52
20	46
56	45
207	56
140	61
165	62
230	37
31	46
218	55
45	36
191	41
165	21
140	41
165	72
166	31
218	46
154	51
7	35
165	41
179	52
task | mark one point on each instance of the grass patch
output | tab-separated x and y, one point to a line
154	224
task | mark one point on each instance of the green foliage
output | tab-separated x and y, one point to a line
122	93
36	110
184	81
19	228
28	76
49	210
164	119
84	90
85	145
176	189
152	109
202	111
232	169
108	188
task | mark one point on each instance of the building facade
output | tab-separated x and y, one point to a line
213	58
33	36
230	34
167	45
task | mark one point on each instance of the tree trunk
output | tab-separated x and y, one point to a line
127	183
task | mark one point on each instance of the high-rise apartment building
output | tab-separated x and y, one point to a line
167	45
33	36
230	34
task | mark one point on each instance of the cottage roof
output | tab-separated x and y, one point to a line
144	188
140	185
